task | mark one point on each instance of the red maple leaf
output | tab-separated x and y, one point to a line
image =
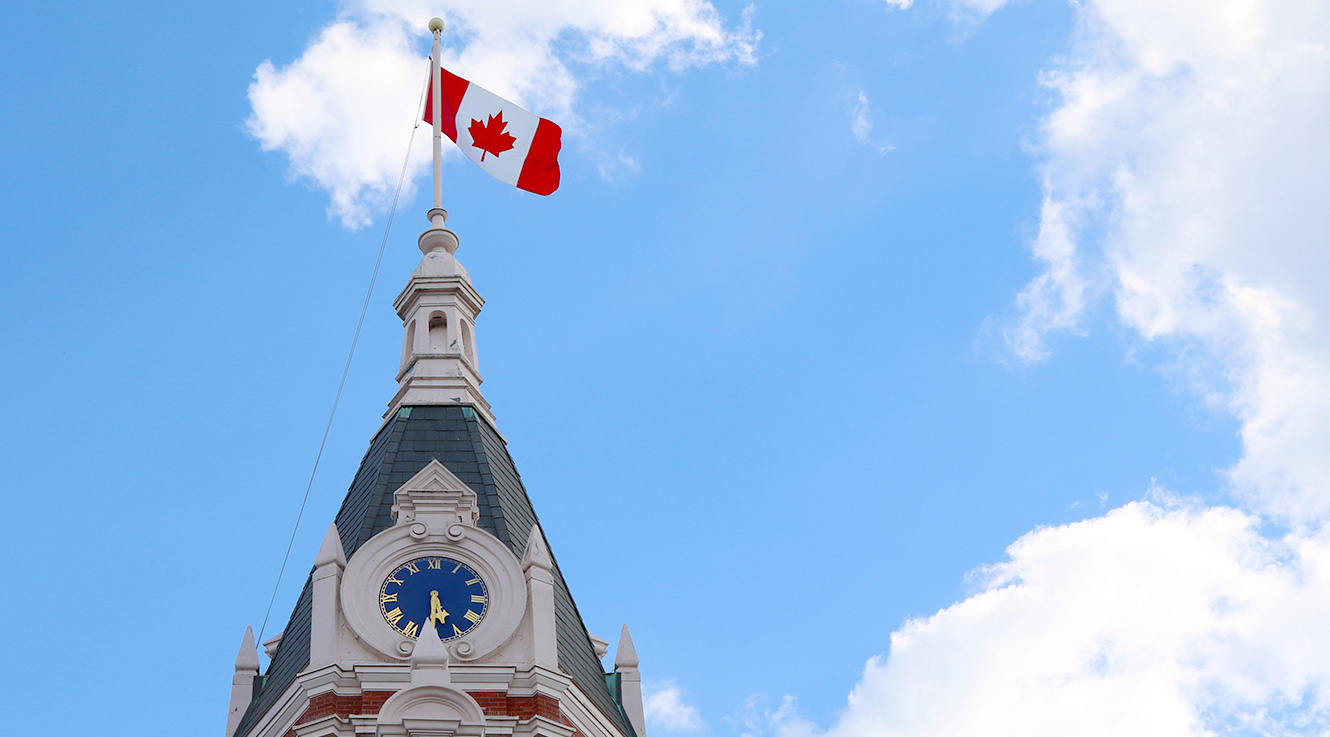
489	137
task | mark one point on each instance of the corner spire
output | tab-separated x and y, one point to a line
626	655
242	683
630	683
537	552
331	550
248	657
538	567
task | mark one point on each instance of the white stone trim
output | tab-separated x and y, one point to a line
431	711
282	715
626	665
586	716
379	677
329	679
439	366
329	726
436	517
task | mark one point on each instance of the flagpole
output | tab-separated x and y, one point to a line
437	237
437	215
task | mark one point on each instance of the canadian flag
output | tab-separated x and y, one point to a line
513	145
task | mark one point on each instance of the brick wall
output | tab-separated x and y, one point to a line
368	702
493	703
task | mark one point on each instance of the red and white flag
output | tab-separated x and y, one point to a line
513	145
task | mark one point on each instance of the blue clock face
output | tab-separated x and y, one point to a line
437	590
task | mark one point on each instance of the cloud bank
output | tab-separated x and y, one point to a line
666	709
1185	177
1185	170
1157	619
343	110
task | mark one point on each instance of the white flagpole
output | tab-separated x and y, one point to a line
437	214
437	237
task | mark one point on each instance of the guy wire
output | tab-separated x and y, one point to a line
364	308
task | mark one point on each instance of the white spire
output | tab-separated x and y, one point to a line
538	567
331	550
242	683
537	552
326	581
630	682
439	306
626	655
247	660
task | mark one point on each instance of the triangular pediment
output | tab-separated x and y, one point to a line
435	477
434	491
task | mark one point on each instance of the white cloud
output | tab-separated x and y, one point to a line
900	4
1185	177
1185	170
666	709
342	114
756	719
343	110
1156	619
861	124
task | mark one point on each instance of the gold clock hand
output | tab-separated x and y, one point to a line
436	611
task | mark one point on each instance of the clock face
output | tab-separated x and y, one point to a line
437	590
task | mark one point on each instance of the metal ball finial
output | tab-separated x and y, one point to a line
436	24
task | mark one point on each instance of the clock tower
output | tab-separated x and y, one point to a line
435	606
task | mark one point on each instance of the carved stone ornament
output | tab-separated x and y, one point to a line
436	514
431	711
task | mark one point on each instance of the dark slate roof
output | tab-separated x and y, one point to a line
478	455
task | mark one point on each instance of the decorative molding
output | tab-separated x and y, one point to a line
281	717
439	308
431	711
436	515
585	716
438	498
332	725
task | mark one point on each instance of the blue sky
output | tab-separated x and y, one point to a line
982	340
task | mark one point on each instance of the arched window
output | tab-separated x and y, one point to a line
409	345
470	342
438	333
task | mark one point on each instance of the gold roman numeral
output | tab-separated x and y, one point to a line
413	567
456	631
459	565
472	617
392	579
473	582
479	598
435	562
385	598
411	629
393	616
